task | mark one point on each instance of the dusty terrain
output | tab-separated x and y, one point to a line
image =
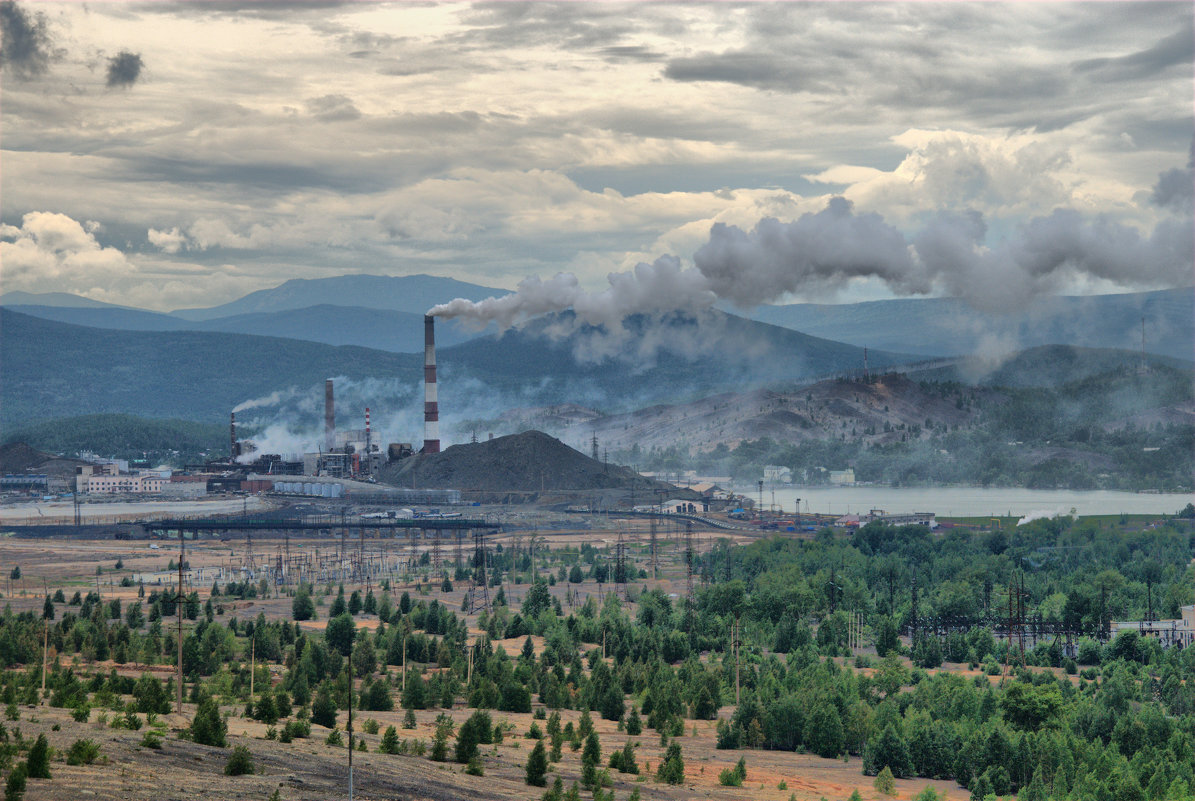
312	769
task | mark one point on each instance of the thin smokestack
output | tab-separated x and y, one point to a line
233	450
431	406
368	438
329	417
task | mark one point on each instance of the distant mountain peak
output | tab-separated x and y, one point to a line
414	294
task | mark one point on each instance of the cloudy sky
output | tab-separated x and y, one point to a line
168	155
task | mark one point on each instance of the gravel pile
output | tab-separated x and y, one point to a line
527	462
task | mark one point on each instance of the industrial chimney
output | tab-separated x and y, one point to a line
234	449
329	418
431	407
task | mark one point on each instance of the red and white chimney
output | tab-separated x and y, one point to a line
234	450
329	418
431	406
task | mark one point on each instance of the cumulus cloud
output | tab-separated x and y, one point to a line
950	169
171	241
52	252
26	49
53	248
124	69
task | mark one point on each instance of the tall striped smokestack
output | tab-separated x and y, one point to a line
431	406
329	417
233	450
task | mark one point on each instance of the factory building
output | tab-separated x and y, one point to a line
107	479
346	454
1180	632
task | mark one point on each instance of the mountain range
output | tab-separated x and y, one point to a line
386	313
950	327
54	369
371	311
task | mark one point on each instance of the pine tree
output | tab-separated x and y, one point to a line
672	768
14	788
389	743
302	607
323	711
590	758
39	759
537	765
884	782
824	736
240	762
339	607
265	710
208	727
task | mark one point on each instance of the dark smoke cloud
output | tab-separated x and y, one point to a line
124	69
25	46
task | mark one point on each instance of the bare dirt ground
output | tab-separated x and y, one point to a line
311	769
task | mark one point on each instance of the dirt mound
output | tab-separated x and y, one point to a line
17	457
527	462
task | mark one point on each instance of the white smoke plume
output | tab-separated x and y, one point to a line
663	285
273	399
823	251
1040	514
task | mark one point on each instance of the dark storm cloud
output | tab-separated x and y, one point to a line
124	69
1177	48
25	46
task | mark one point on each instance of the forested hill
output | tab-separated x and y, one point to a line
54	369
57	370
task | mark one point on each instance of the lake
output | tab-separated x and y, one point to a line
968	501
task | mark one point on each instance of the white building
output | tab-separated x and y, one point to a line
776	474
843	477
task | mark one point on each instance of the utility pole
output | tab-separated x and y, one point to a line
178	676
736	660
655	565
349	728
45	656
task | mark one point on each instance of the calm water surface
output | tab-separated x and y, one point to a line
968	501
